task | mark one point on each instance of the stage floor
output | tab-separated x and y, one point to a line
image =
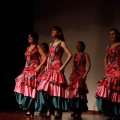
19	115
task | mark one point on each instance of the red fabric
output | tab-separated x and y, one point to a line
53	80
26	82
111	81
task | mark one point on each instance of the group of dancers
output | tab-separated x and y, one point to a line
43	87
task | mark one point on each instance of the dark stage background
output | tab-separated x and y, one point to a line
88	20
16	22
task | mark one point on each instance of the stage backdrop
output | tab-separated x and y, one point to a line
81	20
16	22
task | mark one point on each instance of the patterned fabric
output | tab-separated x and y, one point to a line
53	75
53	82
41	71
26	82
109	86
77	74
77	87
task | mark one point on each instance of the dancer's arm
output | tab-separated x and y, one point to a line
44	56
105	58
69	55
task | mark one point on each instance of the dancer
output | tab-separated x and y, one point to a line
77	87
38	107
45	49
25	88
108	92
53	85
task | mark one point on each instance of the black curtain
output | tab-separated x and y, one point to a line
16	22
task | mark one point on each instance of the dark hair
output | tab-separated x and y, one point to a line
46	46
35	36
59	29
117	33
82	45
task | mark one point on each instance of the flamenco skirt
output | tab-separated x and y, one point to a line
77	100
52	91
25	89
108	96
55	96
25	102
107	107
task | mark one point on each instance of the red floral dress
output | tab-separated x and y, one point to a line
26	82
53	82
109	86
77	87
79	70
41	71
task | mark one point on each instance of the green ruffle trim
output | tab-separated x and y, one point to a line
45	100
25	102
107	107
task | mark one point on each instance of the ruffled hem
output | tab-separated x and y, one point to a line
55	76
108	94
76	93
53	89
81	85
25	102
20	87
44	100
107	107
112	83
60	103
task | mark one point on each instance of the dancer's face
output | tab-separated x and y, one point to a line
55	33
78	47
30	39
112	36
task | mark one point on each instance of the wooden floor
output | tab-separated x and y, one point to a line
20	115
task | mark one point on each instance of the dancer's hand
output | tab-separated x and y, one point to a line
46	68
37	69
84	77
61	69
